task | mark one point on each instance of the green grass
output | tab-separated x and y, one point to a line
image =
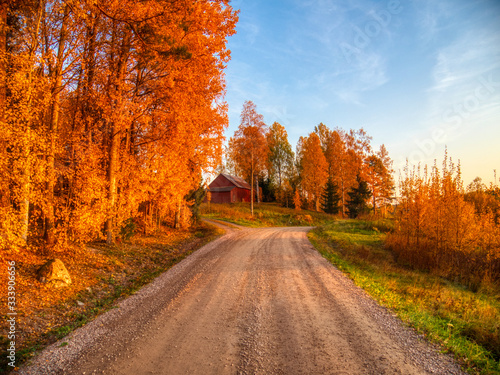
461	321
265	215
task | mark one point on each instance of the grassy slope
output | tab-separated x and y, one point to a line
265	215
463	322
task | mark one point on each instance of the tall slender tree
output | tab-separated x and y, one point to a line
330	198
248	146
377	178
280	155
314	169
388	185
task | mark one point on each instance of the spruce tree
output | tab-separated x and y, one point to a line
358	197
330	198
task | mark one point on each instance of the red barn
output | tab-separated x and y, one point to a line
229	189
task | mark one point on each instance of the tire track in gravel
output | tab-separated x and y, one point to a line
255	301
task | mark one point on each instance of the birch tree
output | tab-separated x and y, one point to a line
249	148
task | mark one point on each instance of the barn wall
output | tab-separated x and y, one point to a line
221	197
242	195
221	181
235	195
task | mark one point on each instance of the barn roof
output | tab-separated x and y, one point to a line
237	181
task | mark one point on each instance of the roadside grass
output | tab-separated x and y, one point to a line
459	320
265	215
101	275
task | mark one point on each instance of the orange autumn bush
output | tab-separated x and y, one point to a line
438	230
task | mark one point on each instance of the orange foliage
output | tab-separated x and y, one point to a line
349	154
314	169
112	111
248	147
297	202
438	230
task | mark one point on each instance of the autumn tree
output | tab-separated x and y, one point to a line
297	201
485	199
345	153
111	108
171	96
248	146
329	145
379	177
342	165
299	153
280	156
387	187
314	169
23	144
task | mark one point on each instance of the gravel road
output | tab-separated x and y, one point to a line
255	301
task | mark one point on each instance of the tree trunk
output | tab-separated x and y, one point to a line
177	223
115	132
26	185
251	188
251	194
112	177
49	234
279	174
343	199
257	187
88	80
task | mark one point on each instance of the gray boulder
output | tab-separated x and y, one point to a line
54	272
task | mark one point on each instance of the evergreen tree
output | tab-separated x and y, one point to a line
330	198
195	197
268	192
358	197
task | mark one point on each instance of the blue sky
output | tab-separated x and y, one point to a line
417	75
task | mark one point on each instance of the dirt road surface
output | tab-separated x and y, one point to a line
255	301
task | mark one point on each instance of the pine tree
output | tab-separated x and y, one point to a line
195	198
330	198
358	196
